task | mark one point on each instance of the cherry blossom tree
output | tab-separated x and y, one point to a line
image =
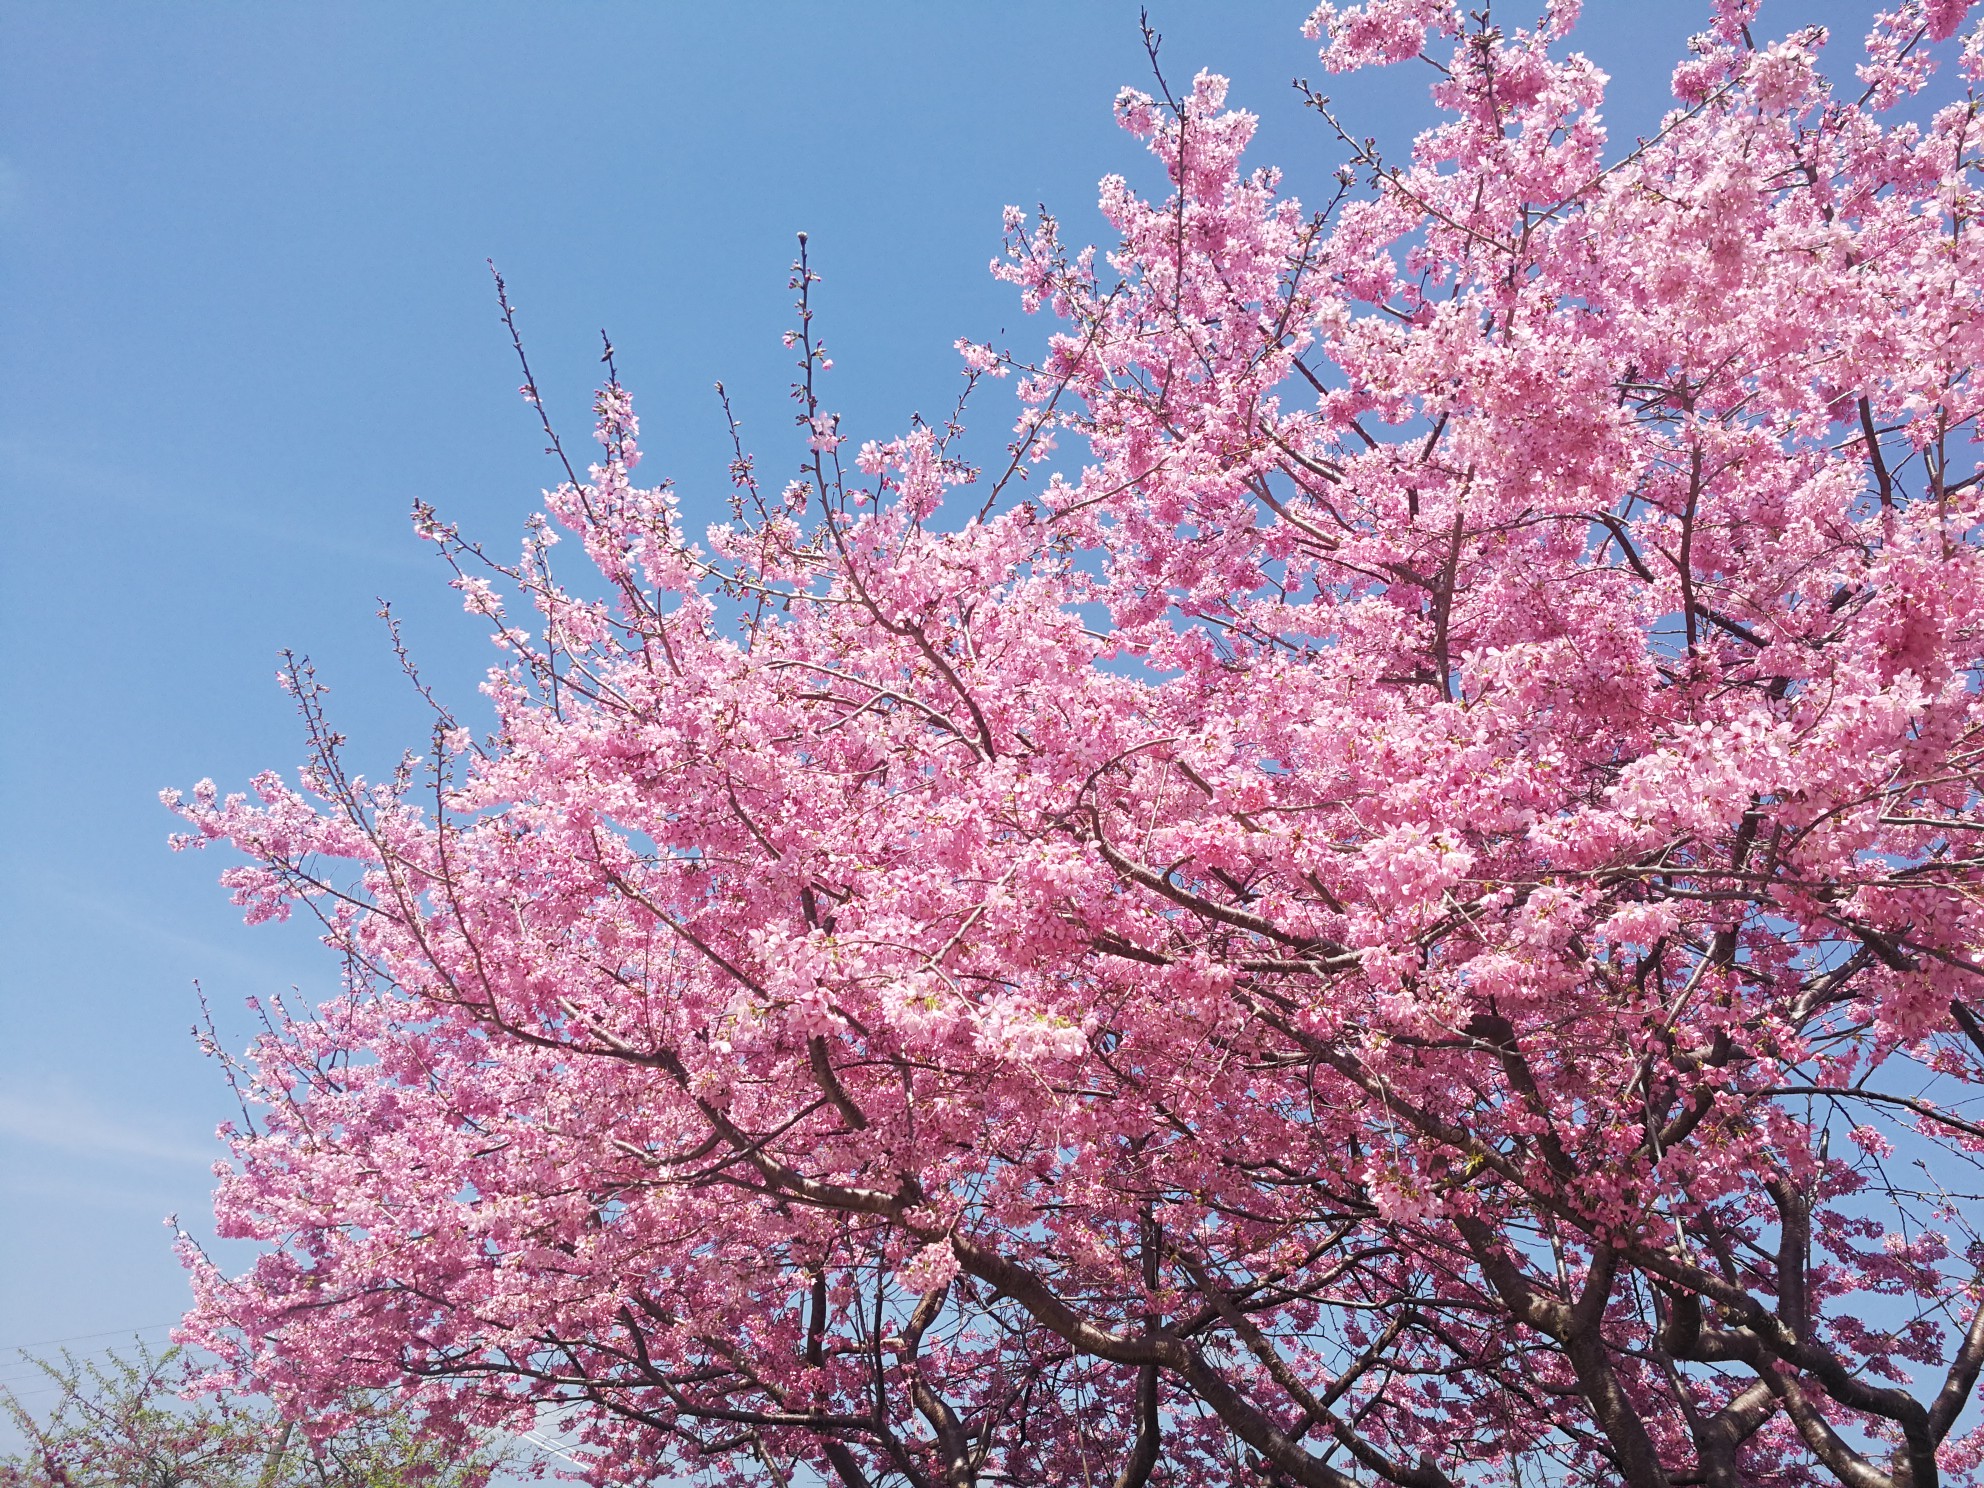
1404	910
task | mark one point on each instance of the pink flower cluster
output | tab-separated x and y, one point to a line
1412	917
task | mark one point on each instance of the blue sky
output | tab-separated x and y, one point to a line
247	324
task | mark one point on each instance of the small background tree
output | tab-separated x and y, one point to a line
127	1420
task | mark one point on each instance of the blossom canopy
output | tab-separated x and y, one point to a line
1404	908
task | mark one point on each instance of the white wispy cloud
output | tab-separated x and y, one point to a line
55	1118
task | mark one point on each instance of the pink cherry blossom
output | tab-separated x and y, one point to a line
1406	913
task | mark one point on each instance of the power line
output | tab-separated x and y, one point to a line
544	1443
80	1337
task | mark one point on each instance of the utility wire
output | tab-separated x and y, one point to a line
80	1337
